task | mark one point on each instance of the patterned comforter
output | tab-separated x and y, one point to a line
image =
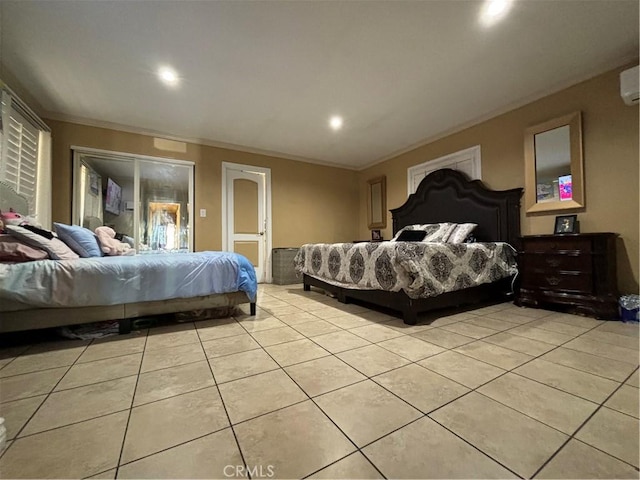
420	269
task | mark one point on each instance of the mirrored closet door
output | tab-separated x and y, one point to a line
147	201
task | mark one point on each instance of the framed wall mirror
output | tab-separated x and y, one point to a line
554	178
377	202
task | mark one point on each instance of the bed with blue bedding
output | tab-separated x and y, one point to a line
47	293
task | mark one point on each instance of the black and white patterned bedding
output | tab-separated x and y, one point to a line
421	269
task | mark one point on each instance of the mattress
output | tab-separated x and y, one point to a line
128	279
421	269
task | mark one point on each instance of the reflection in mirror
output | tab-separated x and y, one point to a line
553	165
377	202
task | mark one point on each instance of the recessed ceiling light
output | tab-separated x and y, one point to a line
168	76
336	122
493	11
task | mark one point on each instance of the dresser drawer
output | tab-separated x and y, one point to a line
557	244
552	263
559	281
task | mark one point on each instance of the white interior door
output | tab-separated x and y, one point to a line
247	226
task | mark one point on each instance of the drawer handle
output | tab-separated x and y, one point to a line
553	262
553	281
553	246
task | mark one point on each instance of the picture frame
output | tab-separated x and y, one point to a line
566	224
376	236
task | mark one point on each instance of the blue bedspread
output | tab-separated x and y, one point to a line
117	280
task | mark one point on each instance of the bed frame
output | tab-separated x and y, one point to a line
445	196
36	318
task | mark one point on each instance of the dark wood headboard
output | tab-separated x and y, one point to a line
449	196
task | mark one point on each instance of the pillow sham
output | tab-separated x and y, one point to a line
14	251
461	232
79	239
435	232
55	247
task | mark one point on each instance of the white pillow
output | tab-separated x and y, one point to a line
56	248
436	232
461	232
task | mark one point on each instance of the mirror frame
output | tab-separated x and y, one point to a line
383	202
574	121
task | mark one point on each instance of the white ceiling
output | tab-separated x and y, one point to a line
266	76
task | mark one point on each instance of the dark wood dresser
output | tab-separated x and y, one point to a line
577	271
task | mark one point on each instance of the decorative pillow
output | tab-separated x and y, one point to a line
55	247
81	240
109	245
461	232
13	250
435	232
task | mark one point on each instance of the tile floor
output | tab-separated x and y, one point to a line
314	388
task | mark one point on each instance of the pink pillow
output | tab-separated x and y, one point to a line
55	247
13	250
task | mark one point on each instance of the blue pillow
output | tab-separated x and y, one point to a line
79	239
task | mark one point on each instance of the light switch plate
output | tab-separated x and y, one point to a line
203	212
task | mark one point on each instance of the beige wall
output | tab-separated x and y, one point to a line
610	133
310	203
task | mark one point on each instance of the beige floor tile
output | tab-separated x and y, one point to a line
613	339
254	324
625	400
341	341
295	352
528	312
513	439
509	315
252	396
606	350
297	318
494	354
492	323
205	457
399	325
171	336
376	333
546	336
101	370
425	449
30	384
295	441
5	361
353	466
420	387
634	380
41	360
108	475
240	365
75	451
372	360
462	369
172	381
229	345
275	336
628	329
552	407
17	413
213	329
320	327
519	344
576	320
323	375
567	329
470	330
411	348
446	319
169	422
171	357
443	338
82	403
577	460
13	352
576	382
114	347
614	433
353	407
586	362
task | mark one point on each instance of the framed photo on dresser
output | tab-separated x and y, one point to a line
566	224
